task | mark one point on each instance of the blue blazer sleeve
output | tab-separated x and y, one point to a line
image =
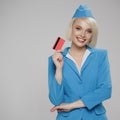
104	88
55	89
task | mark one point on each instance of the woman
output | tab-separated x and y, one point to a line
79	77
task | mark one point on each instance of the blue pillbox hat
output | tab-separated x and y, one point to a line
82	12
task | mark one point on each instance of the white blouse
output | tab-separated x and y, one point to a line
87	52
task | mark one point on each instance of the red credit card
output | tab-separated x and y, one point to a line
58	44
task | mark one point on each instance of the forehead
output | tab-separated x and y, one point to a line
82	23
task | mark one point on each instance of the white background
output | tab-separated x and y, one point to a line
28	29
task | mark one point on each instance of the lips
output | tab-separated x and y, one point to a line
81	40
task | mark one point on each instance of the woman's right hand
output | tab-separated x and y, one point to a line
58	59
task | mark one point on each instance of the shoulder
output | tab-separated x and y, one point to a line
101	55
49	57
99	52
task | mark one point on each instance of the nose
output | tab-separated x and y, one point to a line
82	34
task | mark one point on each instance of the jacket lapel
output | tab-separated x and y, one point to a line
72	64
88	60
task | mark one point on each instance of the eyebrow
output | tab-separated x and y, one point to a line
82	27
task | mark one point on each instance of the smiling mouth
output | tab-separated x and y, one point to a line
81	40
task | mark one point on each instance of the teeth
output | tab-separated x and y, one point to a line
81	39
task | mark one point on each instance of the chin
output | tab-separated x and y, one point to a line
82	45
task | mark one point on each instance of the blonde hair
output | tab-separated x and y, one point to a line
92	23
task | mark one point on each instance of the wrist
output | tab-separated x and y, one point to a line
77	104
58	69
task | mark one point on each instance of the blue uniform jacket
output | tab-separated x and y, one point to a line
92	86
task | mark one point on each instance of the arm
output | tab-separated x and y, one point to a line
66	107
55	79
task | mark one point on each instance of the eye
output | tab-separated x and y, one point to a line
78	28
89	31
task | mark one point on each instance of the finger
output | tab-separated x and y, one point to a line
59	51
60	110
57	55
53	109
60	58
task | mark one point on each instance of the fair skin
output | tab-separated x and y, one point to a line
81	35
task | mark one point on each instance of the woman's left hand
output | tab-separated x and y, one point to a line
66	107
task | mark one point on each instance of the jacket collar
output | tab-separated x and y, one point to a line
66	50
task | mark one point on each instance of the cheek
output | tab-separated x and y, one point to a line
74	32
89	36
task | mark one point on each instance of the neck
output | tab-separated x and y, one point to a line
77	50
